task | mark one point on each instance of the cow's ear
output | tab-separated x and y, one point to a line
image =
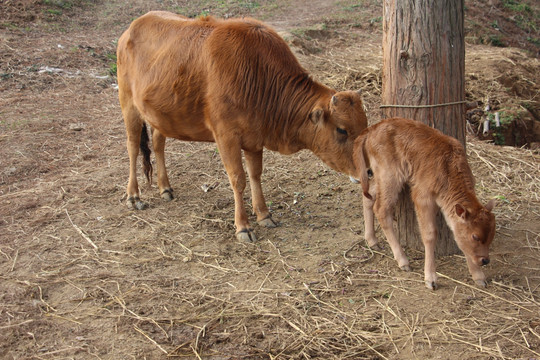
461	211
317	115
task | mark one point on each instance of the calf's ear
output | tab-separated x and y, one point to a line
317	115
490	205
461	212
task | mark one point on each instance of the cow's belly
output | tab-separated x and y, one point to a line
184	130
183	124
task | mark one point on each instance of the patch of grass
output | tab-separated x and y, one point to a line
59	3
304	32
525	23
111	56
113	69
496	40
54	12
505	119
517	6
535	41
375	20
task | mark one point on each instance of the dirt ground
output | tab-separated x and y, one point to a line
83	277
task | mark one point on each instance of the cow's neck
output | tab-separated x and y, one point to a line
300	132
461	195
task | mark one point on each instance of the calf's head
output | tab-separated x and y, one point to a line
337	124
474	231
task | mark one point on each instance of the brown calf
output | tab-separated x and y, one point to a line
234	82
396	152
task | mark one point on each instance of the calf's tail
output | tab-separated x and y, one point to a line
145	149
360	160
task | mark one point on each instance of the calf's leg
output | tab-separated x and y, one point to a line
384	210
254	167
426	213
476	271
369	222
158	142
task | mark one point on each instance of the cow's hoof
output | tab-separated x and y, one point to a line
268	222
431	285
134	203
480	283
405	268
246	235
167	194
376	246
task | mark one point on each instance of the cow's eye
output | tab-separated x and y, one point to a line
475	237
342	131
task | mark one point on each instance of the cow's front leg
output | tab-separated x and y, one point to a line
384	209
426	213
369	222
231	155
254	167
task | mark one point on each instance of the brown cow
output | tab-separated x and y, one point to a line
396	152
234	82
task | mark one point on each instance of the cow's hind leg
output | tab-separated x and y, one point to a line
165	190
231	155
254	167
134	128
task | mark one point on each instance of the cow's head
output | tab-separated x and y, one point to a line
474	230
338	122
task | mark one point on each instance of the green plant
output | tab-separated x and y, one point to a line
498	138
502	198
54	12
517	6
535	41
113	69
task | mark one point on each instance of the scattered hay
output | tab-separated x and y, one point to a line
82	277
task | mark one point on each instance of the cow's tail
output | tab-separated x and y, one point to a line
360	160
145	149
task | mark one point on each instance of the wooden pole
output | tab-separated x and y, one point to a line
424	79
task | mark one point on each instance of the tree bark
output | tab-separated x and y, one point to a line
423	66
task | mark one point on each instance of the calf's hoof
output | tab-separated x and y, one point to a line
480	283
246	235
405	268
134	203
376	246
167	194
431	285
268	222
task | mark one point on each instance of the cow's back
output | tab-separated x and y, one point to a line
420	151
180	72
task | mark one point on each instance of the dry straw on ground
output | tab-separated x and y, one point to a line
83	277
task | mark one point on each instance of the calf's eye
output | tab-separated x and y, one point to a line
475	237
342	131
